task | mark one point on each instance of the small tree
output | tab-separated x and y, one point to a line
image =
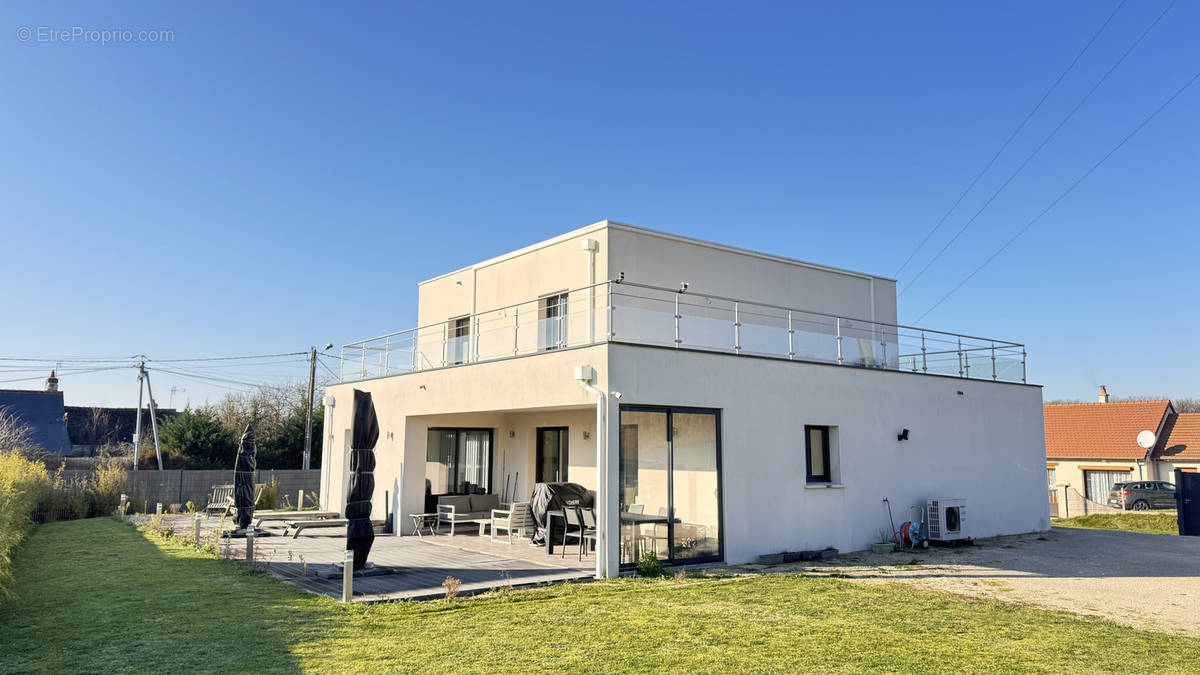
197	439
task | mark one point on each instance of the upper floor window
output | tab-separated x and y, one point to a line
458	343
552	321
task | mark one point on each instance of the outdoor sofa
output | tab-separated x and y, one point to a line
455	509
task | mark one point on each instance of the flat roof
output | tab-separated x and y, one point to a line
612	224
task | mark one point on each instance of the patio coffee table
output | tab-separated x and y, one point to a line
484	524
426	520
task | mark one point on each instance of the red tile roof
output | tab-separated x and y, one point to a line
1181	438
1100	430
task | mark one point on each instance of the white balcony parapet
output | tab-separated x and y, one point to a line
626	312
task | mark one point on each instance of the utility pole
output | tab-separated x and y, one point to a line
144	379
312	376
312	379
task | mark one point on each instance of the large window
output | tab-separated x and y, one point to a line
458	462
552	321
670	497
1097	484
816	459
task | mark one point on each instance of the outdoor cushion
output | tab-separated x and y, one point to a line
461	503
481	503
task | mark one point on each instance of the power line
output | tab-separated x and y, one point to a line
1011	136
1039	147
66	373
1066	192
229	358
335	375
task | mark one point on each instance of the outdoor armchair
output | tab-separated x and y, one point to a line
517	518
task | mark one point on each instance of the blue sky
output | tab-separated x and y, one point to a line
283	174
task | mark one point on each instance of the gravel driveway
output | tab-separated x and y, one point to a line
1143	580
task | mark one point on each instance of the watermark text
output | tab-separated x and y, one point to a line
99	36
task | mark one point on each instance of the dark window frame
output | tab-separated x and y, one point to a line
670	411
565	455
455	460
810	477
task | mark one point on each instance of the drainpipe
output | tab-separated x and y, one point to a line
586	375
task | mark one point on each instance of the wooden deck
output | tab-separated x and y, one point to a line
421	564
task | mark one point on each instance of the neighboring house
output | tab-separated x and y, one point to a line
1090	446
1178	446
91	428
43	412
750	403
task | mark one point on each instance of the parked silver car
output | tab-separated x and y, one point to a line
1142	495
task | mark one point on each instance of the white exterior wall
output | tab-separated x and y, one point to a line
661	259
517	394
986	446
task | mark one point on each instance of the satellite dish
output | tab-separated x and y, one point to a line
1146	439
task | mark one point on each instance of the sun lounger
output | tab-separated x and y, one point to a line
297	526
260	516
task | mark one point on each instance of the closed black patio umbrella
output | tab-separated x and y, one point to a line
359	532
243	480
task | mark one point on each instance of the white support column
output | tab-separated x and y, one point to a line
612	464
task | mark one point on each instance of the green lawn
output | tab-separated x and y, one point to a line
1150	523
97	596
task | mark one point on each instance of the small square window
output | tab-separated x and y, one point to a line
816	456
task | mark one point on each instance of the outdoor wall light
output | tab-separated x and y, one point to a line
587	434
512	434
903	435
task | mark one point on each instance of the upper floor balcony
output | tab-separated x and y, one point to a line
630	313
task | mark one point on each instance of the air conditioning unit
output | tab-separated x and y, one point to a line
947	519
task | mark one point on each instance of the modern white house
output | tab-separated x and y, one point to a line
758	403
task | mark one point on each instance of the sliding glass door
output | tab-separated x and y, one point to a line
670	500
457	462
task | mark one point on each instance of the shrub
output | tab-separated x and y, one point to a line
23	484
451	585
649	566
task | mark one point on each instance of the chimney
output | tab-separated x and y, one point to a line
1103	397
52	382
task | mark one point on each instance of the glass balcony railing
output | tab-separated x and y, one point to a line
626	312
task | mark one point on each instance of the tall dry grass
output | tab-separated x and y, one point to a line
23	484
83	497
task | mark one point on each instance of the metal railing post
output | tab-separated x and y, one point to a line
611	309
445	343
993	360
839	340
791	337
677	321
414	352
561	340
362	365
475	340
516	328
387	355
342	365
960	358
1022	363
737	330
924	360
883	349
